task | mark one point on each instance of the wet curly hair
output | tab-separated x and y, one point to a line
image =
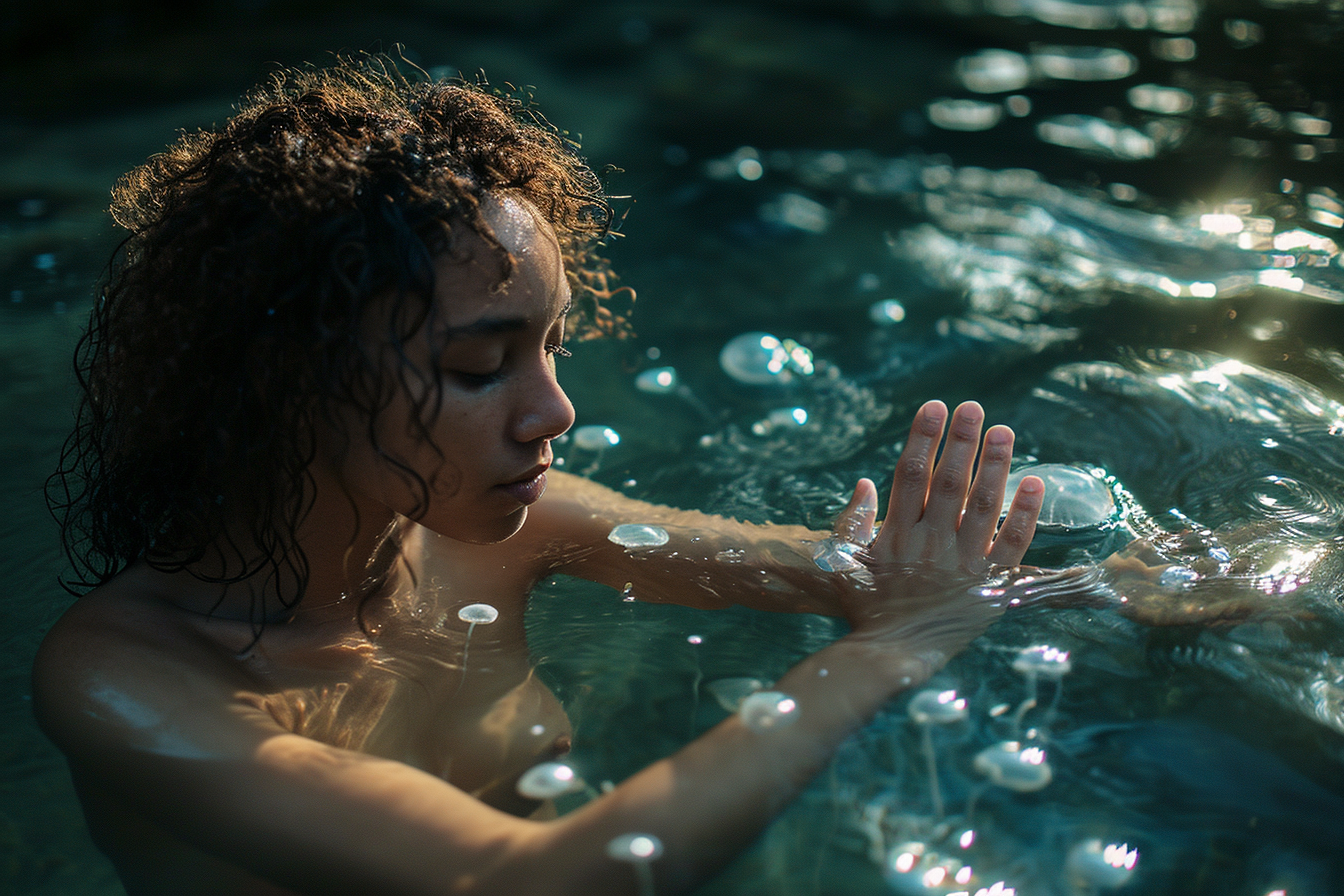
228	322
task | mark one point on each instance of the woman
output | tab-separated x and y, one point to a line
319	399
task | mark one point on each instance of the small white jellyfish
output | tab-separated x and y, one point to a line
730	692
1042	661
549	780
934	707
640	850
595	438
886	312
478	614
1094	864
637	535
1074	497
657	381
1009	764
780	419
768	710
836	555
914	869
760	359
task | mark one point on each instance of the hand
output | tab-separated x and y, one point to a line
938	516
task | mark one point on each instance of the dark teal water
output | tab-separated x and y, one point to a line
1140	273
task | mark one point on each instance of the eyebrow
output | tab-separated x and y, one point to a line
491	326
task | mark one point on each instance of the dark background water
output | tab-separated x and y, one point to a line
663	90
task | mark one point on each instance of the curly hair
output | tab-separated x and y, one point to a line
228	321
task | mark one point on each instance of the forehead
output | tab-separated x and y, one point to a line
467	280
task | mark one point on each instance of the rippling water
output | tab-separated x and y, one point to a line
1117	225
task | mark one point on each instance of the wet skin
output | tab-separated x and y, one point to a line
350	751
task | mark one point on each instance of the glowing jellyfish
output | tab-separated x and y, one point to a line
916	870
759	359
1037	662
929	708
885	312
767	711
1009	764
1097	865
780	419
657	381
1074	497
595	438
730	692
549	780
638	535
474	615
836	555
640	850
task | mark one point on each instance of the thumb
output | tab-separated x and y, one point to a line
855	522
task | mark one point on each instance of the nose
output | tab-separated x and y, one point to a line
546	411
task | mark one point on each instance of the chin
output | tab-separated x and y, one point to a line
492	532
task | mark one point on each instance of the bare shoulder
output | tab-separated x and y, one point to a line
118	665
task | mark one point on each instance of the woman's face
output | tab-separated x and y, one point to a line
490	352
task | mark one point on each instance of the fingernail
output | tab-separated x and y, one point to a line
1032	486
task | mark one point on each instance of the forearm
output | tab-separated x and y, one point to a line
712	798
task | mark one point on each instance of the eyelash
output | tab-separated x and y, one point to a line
558	350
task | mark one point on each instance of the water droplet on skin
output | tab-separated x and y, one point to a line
730	692
478	614
1095	864
731	555
548	781
638	535
1178	577
1009	764
638	848
628	593
767	711
836	555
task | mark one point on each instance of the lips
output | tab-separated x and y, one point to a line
528	488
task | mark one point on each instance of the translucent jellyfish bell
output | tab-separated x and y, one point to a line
1074	497
914	869
595	438
935	707
1009	764
768	710
1096	865
730	692
639	850
549	780
760	359
657	381
1042	661
638	535
478	614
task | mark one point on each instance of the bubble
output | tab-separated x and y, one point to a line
595	438
657	381
836	555
635	848
1083	63
638	535
482	614
730	692
1093	863
1042	661
1074	498
767	710
548	781
935	707
1009	764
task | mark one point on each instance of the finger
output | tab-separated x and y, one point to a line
952	477
985	504
855	522
1020	524
910	483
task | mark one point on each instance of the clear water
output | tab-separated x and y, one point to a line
1120	232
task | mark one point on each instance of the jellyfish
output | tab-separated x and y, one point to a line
1094	865
1037	662
640	850
760	359
549	780
767	710
1014	766
915	869
474	615
638	535
730	692
929	708
780	420
596	439
1075	498
665	381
